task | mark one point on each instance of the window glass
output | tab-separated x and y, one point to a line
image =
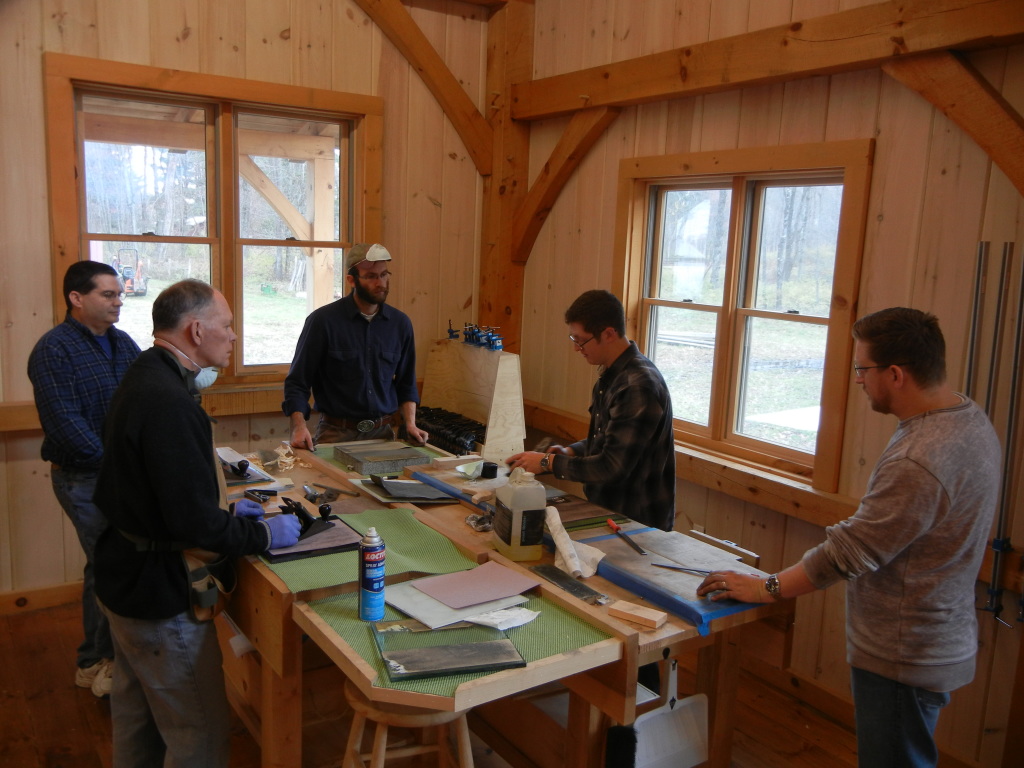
145	167
276	285
144	269
796	248
781	375
694	237
681	342
289	172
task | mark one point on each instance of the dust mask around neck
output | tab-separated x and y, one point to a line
206	377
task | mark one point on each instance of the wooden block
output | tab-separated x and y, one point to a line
648	617
451	462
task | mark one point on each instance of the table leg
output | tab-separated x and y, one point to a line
585	734
717	677
281	705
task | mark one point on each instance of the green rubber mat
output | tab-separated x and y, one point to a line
411	546
554	631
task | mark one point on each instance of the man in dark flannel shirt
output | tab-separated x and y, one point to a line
357	356
75	369
627	462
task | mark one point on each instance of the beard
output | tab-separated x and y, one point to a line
366	296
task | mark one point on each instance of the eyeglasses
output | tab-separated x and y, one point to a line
111	295
859	369
373	276
579	345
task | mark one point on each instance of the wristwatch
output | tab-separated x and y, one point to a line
772	585
545	463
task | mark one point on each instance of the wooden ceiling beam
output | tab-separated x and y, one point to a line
401	29
956	89
855	39
585	128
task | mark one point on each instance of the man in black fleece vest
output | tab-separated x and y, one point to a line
159	488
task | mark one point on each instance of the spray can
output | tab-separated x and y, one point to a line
519	516
371	576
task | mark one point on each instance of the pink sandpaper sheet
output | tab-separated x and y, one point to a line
489	581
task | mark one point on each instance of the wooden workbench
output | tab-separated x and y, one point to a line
266	687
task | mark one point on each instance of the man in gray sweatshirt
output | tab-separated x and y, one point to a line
912	550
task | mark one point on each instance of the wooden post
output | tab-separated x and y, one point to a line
509	60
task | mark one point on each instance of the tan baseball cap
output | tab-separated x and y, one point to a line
361	252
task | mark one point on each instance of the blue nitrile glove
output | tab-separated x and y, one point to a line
284	530
247	508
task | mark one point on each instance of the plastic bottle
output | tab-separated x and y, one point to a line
518	526
371	576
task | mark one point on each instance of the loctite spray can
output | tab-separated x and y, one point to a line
371	577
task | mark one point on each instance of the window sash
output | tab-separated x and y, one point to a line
749	172
360	214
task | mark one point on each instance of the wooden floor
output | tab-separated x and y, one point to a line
46	722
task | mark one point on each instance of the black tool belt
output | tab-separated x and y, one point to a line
359	425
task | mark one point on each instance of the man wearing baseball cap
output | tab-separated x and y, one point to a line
358	358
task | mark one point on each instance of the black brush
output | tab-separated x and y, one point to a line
620	747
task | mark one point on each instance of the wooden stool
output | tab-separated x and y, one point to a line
385	715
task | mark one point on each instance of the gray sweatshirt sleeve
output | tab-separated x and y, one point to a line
901	504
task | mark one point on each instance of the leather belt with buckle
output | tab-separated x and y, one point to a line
361	425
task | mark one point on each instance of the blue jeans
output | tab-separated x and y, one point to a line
74	489
168	706
895	722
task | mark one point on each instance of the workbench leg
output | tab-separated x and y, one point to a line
585	734
717	677
281	705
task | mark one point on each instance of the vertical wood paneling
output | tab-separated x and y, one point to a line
957	169
760	115
268	47
222	38
804	111
353	60
852	105
70	26
764	532
807	630
461	212
833	673
1005	644
124	30
890	249
769	13
691	506
25	312
424	128
174	34
312	26
37	543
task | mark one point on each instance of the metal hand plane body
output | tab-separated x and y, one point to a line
310	526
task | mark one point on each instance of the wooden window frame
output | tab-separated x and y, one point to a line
850	160
64	74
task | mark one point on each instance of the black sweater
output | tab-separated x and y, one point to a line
158	481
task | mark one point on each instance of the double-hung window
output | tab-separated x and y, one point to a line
255	188
741	278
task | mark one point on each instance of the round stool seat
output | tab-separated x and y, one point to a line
386	714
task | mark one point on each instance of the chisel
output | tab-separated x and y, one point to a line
612	524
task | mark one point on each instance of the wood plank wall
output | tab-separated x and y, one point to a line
934	196
432	197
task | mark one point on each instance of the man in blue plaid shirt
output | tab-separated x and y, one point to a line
75	369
